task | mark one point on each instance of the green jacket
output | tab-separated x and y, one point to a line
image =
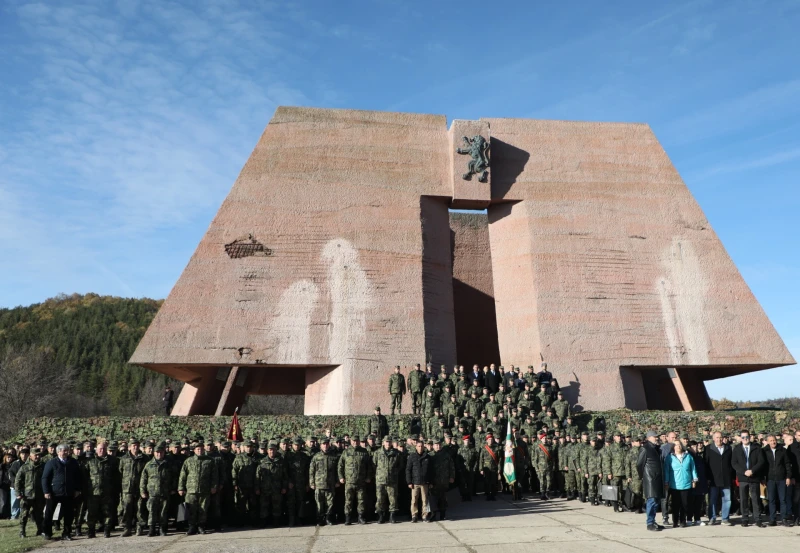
467	458
101	475
272	475
158	479
561	407
442	469
387	467
243	471
297	463
416	381
490	462
131	468
322	471
378	425
397	384
199	475
355	466
29	480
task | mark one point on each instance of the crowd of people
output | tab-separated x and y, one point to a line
208	483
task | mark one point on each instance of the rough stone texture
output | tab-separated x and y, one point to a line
475	527
603	264
473	294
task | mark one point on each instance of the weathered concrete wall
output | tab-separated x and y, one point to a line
473	290
607	261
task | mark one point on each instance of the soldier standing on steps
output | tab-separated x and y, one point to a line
416	383
377	424
397	389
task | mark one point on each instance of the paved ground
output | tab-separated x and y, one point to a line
478	527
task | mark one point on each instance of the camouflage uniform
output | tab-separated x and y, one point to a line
633	475
613	464
387	477
158	482
416	384
443	471
101	491
544	460
489	463
322	476
377	425
297	465
592	466
272	479
198	480
243	478
467	460
567	459
131	468
355	466
397	389
561	407
28	485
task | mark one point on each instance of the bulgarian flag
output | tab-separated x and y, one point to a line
508	466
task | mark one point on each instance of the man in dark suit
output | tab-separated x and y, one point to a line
492	379
476	374
779	478
792	445
748	461
544	376
61	484
720	477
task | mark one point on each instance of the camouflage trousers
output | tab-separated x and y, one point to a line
158	511
636	486
100	508
439	496
545	479
31	508
246	505
386	492
397	403
133	510
296	501
324	500
570	482
416	402
197	504
351	493
271	504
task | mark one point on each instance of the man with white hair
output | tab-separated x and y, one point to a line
61	483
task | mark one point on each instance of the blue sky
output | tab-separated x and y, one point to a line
123	124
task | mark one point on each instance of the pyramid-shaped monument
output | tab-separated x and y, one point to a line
336	256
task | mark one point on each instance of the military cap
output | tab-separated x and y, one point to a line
134	441
355	438
25	449
617	433
225	443
313	438
36	451
298	441
325	440
377	407
448	434
286	441
53	444
112	447
185	442
490	434
386	439
684	436
338	440
466	437
196	444
161	446
584	433
430	441
272	444
600	433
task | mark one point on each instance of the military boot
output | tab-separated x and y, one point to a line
291	521
202	530
192	530
139	531
127	533
442	515
90	534
347	520
107	532
329	520
381	518
79	530
361	519
152	532
22	533
162	530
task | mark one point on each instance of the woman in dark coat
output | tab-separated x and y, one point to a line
651	472
700	491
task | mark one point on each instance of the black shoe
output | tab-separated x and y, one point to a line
773	523
442	515
361	519
78	531
616	506
428	518
90	534
139	531
683	525
126	533
107	533
192	531
414	519
760	524
347	520
46	536
788	523
152	532
329	521
66	537
652	527
162	531
381	518
745	524
22	534
391	519
202	531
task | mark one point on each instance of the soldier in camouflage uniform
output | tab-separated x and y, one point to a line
397	389
580	458
443	473
272	481
377	424
355	468
297	462
322	478
613	467
568	460
544	460
131	467
198	481
466	462
634	480
592	468
561	408
490	466
243	478
416	384
156	486
388	464
28	486
430	398
101	489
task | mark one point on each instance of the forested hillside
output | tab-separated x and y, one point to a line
90	334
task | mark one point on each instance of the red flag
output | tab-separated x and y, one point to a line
235	431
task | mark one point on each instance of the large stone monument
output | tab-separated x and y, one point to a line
335	257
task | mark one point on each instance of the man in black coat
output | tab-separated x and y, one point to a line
779	478
792	445
650	470
417	476
167	400
720	477
748	462
492	379
61	484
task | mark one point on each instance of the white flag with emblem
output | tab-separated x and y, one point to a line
508	466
